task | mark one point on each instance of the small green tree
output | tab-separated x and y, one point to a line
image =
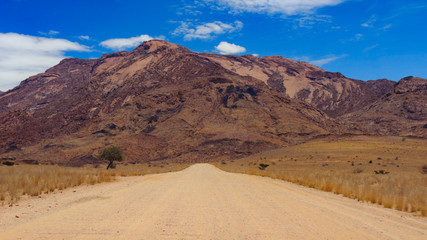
263	166
111	154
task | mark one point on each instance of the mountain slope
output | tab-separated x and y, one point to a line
402	111
332	93
160	101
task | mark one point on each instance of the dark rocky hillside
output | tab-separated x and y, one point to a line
160	101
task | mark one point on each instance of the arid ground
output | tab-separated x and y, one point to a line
203	202
391	171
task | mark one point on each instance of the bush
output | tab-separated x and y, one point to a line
8	163
381	172
111	154
263	166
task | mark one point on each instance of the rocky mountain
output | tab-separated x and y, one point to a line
402	111
162	101
159	101
330	92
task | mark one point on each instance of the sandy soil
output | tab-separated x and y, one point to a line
203	202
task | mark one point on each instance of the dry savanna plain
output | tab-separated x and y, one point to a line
380	186
390	171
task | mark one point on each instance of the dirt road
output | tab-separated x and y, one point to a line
203	202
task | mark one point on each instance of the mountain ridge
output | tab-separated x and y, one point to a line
162	101
307	82
191	107
402	111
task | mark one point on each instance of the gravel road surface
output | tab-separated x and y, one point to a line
203	202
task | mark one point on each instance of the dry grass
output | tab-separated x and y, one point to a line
34	180
347	167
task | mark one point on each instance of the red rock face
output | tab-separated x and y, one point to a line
411	85
332	93
402	111
160	101
164	102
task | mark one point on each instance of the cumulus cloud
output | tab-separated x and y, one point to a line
22	56
226	48
287	7
207	30
120	44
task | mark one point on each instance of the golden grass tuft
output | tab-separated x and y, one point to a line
344	167
34	180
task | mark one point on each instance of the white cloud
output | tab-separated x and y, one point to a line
51	33
308	21
358	36
255	54
207	30
120	44
370	48
386	27
84	37
370	22
22	56
189	10
287	7
322	61
326	60
226	48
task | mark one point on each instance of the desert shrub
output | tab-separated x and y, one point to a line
8	163
111	154
263	166
381	172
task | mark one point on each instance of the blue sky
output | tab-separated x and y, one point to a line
363	39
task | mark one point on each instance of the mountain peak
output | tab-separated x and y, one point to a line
411	84
158	45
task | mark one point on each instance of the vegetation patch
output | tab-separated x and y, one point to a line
339	166
33	180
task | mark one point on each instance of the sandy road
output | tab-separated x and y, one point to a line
203	202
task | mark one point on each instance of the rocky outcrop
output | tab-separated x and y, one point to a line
411	85
402	111
332	93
